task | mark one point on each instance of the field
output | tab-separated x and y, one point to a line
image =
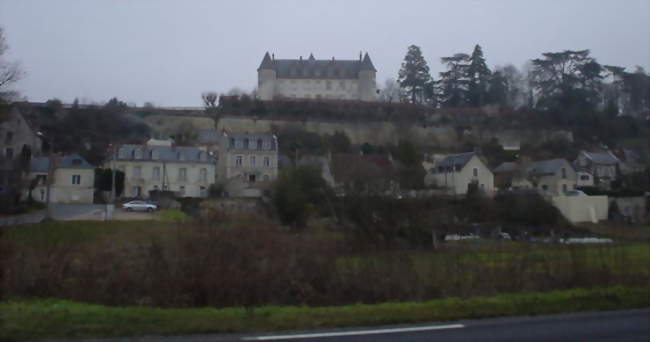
170	277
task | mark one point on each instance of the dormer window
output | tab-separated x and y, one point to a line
238	143
76	162
232	142
154	155
267	145
180	156
246	143
259	144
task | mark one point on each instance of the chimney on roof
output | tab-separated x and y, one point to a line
301	58
360	56
273	56
332	58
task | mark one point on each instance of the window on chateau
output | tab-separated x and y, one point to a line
182	174
203	175
259	144
238	161
267	162
155	173
238	143
246	143
252	161
232	142
137	172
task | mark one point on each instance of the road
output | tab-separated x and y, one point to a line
619	326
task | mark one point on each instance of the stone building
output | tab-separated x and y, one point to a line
160	165
317	78
245	160
73	179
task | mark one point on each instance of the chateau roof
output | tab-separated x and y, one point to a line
316	68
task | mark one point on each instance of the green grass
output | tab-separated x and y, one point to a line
75	233
174	215
51	318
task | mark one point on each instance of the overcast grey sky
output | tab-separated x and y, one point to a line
168	52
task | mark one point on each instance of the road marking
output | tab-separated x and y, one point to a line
353	333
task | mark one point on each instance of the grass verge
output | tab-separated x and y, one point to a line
22	319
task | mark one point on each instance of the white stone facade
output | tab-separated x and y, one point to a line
187	171
317	79
247	161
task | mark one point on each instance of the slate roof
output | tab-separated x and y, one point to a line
252	138
317	68
506	167
455	160
548	167
69	161
185	154
603	158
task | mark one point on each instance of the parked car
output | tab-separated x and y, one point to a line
140	206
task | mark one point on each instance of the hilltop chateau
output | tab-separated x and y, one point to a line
317	78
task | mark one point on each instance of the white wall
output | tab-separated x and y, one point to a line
582	208
457	182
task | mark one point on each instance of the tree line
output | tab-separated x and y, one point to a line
565	80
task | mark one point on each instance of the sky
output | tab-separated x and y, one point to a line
169	52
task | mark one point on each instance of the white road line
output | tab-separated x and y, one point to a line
353	333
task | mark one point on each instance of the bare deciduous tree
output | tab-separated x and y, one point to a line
10	72
210	99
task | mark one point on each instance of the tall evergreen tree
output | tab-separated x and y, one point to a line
453	83
414	74
497	92
478	75
567	79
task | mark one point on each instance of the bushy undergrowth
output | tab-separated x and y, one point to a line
251	263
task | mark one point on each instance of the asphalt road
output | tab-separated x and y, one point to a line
619	326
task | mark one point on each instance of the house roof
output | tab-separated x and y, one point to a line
69	161
604	158
165	153
549	166
506	167
317	68
455	160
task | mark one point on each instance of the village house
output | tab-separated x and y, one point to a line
456	173
603	166
73	179
246	162
160	165
552	176
372	174
17	136
312	78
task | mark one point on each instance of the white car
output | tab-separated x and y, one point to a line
140	206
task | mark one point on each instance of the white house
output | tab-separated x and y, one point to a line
604	166
552	176
247	162
73	179
457	172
